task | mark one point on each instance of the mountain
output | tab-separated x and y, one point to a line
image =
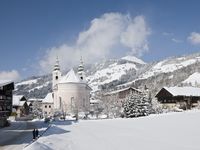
118	73
193	79
113	71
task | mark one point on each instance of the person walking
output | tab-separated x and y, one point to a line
34	134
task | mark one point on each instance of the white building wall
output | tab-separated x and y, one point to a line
47	109
73	96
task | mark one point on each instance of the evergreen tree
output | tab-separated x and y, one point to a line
136	106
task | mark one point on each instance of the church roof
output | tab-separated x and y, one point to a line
71	77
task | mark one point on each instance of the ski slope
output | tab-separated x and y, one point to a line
174	131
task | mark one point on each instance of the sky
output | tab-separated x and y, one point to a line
34	32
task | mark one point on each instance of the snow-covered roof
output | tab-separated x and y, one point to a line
124	89
28	103
48	98
183	91
70	77
5	82
34	100
95	101
17	100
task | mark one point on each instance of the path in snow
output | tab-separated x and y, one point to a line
18	135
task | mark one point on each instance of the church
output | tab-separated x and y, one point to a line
70	93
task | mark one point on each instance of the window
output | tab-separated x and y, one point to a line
84	103
45	106
49	106
56	77
72	103
60	100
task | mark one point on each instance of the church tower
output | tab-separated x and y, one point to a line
56	75
81	72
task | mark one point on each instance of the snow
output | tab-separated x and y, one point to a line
167	66
4	82
95	101
40	86
133	59
193	79
48	98
124	89
183	91
27	82
109	74
174	131
70	77
16	100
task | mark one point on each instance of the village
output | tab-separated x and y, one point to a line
71	96
72	99
99	75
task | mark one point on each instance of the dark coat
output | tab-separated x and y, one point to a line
34	134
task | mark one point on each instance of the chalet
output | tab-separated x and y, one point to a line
35	107
121	94
184	97
47	105
20	106
6	88
95	104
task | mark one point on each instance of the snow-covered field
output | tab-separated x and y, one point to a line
174	131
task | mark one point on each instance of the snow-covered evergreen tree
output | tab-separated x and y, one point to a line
136	106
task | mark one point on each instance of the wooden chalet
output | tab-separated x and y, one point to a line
6	88
121	94
185	97
20	105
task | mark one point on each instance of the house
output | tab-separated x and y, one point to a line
71	93
20	106
35	106
6	88
47	105
184	97
121	94
95	104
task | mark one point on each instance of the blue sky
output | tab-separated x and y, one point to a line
30	29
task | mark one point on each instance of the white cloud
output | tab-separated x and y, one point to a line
106	35
9	75
135	36
176	40
194	38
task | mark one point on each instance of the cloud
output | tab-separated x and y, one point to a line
106	36
194	38
176	40
10	75
135	36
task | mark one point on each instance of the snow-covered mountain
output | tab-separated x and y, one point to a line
114	71
129	70
193	79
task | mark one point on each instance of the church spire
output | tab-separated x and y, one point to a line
81	72
56	66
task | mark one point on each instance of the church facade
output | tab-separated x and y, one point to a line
71	93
